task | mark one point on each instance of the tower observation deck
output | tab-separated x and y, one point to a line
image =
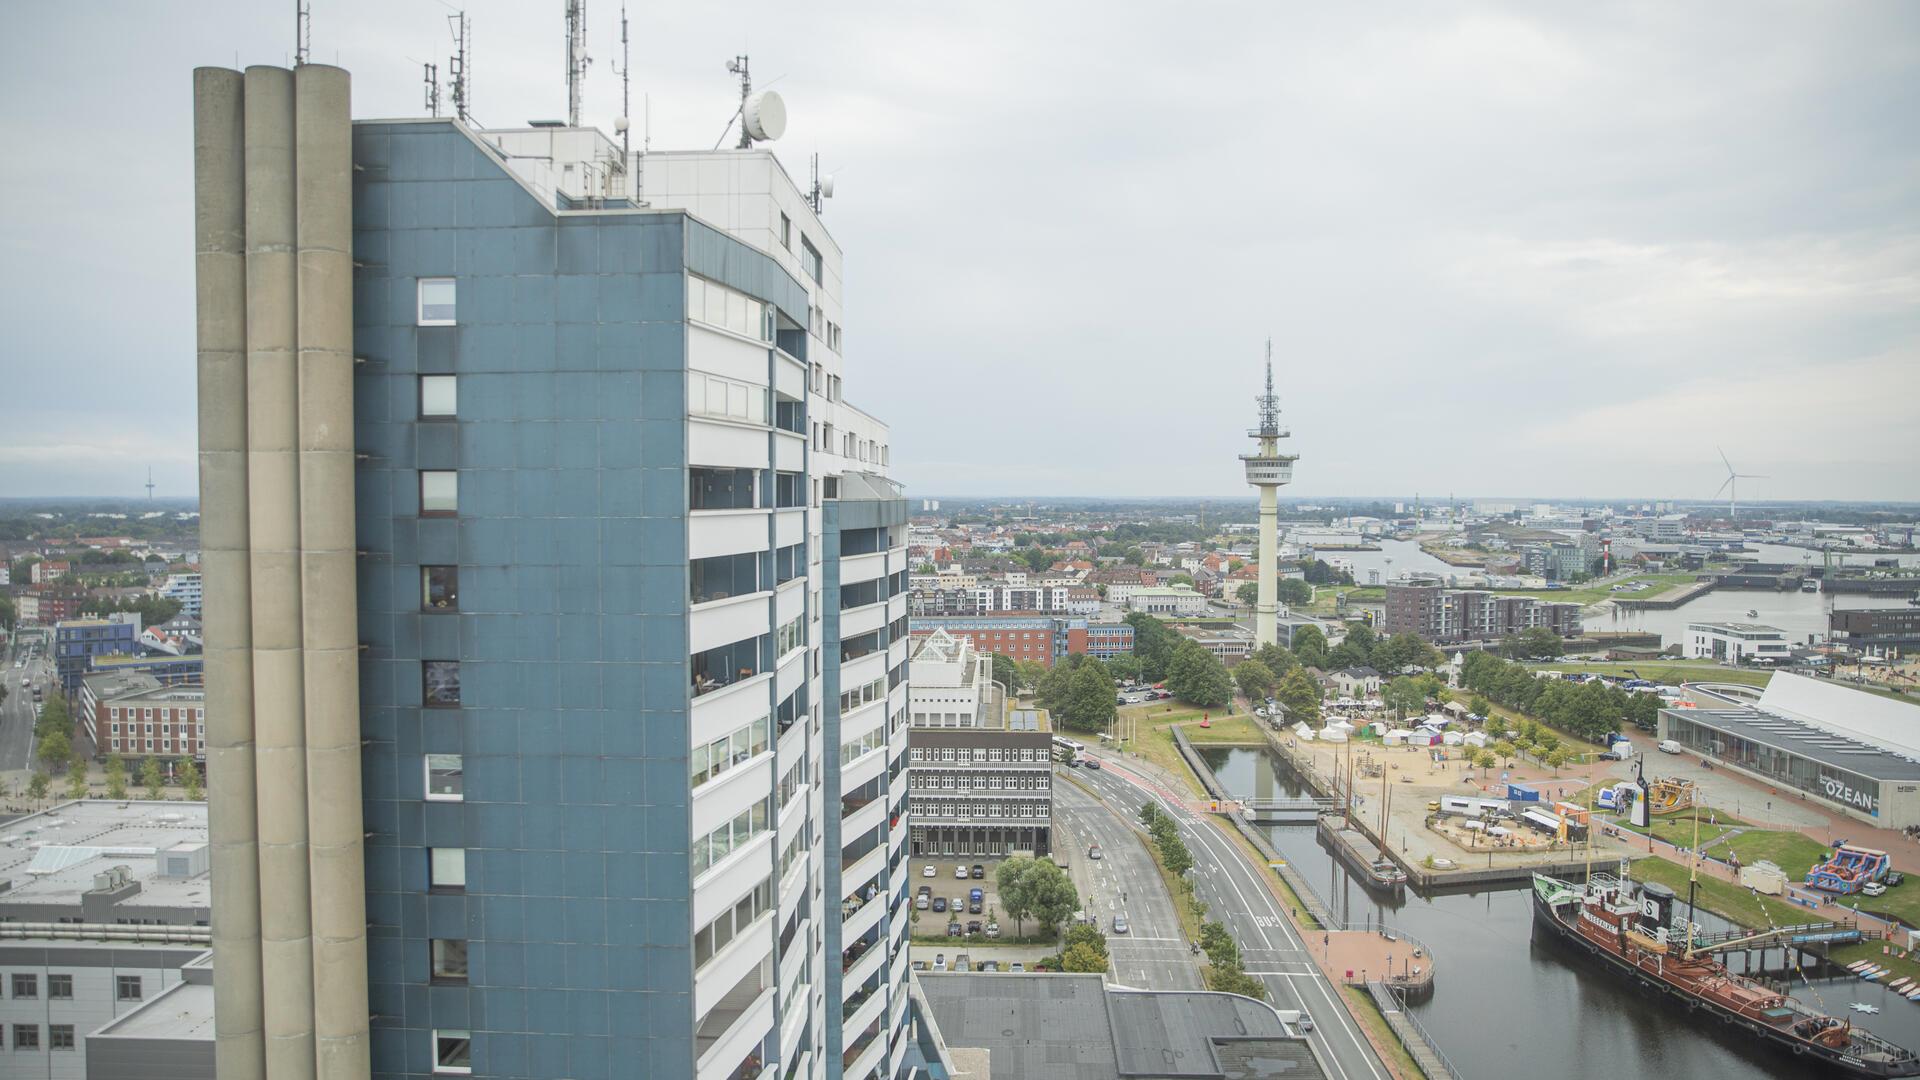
1268	469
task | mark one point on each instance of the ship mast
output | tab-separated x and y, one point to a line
1693	867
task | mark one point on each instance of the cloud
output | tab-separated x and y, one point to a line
1499	247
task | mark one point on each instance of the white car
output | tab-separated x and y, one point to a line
928	871
960	873
1873	888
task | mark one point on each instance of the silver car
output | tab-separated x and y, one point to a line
1119	924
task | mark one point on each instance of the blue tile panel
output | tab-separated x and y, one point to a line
571	631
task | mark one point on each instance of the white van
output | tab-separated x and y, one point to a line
1671	747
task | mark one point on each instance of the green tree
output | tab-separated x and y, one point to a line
1085	934
77	776
1278	658
38	786
1310	645
53	717
1181	579
1403	696
1361	635
1556	758
1548	742
1089	699
1300	696
1505	750
1051	894
1081	958
1293	592
1173	852
1256	679
1480	706
1485	760
116	777
1036	559
1153	645
55	747
1006	672
1197	677
189	774
152	777
1124	666
1541	642
1248	593
1010	881
1234	980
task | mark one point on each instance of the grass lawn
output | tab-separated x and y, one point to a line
1790	851
1589	594
1870	951
1661	671
1151	726
1678	829
1239	728
1723	899
1360	1004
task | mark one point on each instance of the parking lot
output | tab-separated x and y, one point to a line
945	886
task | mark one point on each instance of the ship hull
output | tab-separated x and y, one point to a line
1831	1062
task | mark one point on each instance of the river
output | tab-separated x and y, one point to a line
1506	1005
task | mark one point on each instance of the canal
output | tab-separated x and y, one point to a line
1507	1005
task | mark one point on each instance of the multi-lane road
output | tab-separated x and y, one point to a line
1236	895
1152	954
17	711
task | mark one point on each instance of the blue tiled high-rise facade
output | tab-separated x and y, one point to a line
603	754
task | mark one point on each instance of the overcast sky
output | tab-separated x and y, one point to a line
1500	248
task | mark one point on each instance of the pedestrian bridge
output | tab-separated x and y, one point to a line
1301	811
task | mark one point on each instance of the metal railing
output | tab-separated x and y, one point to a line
1400	1003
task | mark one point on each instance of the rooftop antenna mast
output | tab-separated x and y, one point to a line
431	76
1269	402
302	31
738	65
822	189
577	58
625	123
458	71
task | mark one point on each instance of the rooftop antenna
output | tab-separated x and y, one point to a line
577	58
762	116
149	483
1269	402
624	124
431	76
458	71
302	31
822	188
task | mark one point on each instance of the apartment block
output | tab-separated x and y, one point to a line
981	773
1440	614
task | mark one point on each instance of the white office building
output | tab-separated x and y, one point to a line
1737	643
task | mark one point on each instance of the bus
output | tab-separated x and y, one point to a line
1065	750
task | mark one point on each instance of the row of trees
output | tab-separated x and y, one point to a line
1224	971
1588	710
152	778
1035	889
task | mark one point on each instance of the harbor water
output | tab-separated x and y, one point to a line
1508	1004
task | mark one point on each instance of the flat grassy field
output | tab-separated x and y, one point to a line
1678	829
1724	899
1662	671
1151	728
1593	594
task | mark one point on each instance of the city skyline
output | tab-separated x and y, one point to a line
1472	207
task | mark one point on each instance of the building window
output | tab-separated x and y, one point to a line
439	492
440	588
449	959
436	301
60	1036
439	396
809	261
786	232
440	683
26	1036
447	868
789	489
127	987
724	576
452	1051
60	987
719	489
446	778
26	986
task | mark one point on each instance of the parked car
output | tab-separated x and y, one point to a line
1670	747
1873	888
989	965
953	928
1894	878
960	873
1016	967
993	929
939	961
974	927
926	890
1119	924
920	902
979	871
974	907
975	896
962	963
929	871
939	903
1608	755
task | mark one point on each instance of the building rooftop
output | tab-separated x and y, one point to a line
1737	628
184	1011
1075	1027
1807	740
50	858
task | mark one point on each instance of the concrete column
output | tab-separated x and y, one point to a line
274	529
221	287
323	184
1266	608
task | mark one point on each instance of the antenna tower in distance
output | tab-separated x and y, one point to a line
149	483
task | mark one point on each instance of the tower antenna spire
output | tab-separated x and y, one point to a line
459	70
149	483
1267	470
577	58
302	31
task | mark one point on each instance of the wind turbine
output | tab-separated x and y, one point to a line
1732	486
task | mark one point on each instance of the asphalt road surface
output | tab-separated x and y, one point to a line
1270	947
1152	954
17	712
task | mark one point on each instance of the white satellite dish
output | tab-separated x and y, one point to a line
619	125
765	116
826	185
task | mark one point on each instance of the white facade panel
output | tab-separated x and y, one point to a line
723	621
725	532
720	444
